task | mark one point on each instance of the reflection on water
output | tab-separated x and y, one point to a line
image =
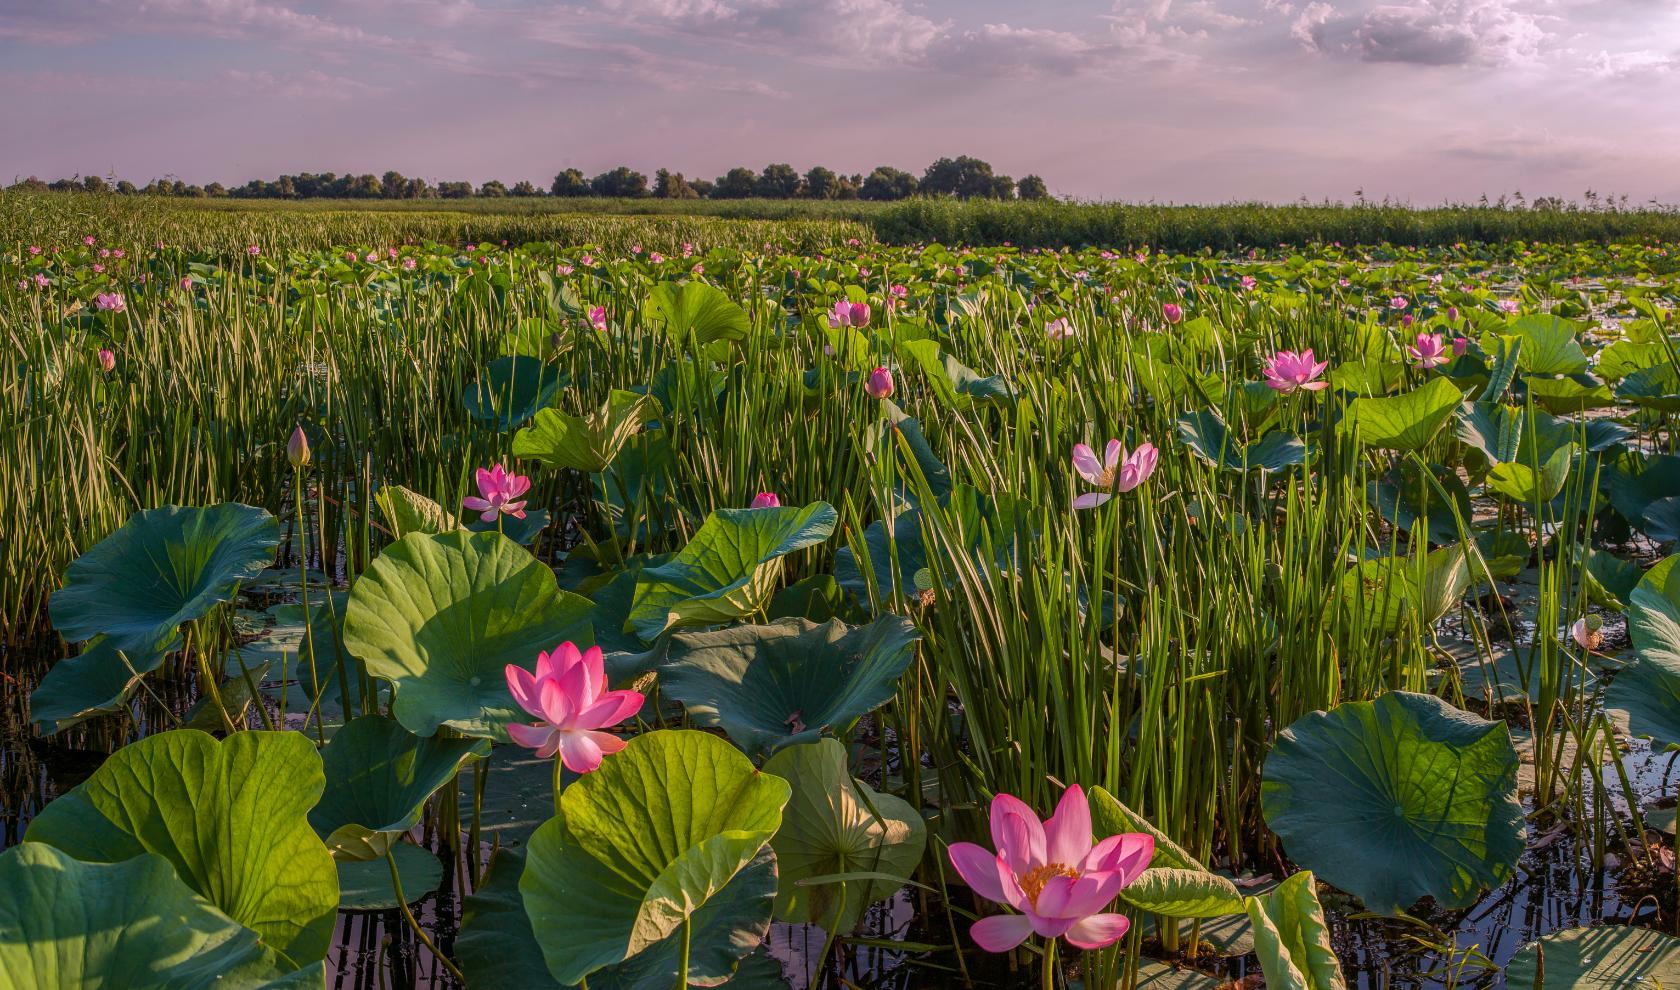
1555	887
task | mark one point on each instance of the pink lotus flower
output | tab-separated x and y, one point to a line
1289	370
687	249
568	693
1508	306
1452	314
1117	471
408	264
110	302
1248	282
297	448
1459	346
598	318
107	360
41	281
253	250
1059	329
34	250
98	269
498	490
656	258
186	283
1587	632
350	256
766	500
587	259
879	383
372	257
1172	312
899	292
1428	351
1398	302
562	270
848	314
1052	873
88	240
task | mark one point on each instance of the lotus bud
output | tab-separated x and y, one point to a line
1173	312
880	383
766	500
107	360
1460	345
297	448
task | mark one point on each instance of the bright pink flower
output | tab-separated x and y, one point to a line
34	250
1172	312
498	491
598	318
587	259
350	256
41	281
635	249
1398	302
569	694
899	292
110	302
699	268
848	314
391	253
1459	346
1248	282
766	500
1289	370
687	249
107	360
88	240
186	283
1052	873
253	250
98	268
656	258
1428	351
879	383
1117	471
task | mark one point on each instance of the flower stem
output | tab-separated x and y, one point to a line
558	783
682	959
420	933
1050	965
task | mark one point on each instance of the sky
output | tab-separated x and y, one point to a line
1420	101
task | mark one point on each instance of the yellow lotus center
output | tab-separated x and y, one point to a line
1032	884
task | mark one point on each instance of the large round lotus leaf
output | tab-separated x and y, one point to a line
893	562
1649	688
231	818
1397	799
134	925
365	884
512	390
790	681
97	682
728	570
441	616
834	825
379	776
697	311
497	948
1604	957
162	568
1407	421
1383	594
641	844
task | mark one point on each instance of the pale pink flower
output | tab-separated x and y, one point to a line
1059	329
1508	305
1172	312
656	258
568	693
34	250
598	318
110	302
879	383
698	269
186	283
1459	346
1117	471
563	270
104	252
88	240
587	259
253	250
1397	303
899	291
41	281
1428	351
98	268
107	360
1052	872
297	448
372	257
1287	371
1587	632
687	249
391	253
766	500
498	494
635	249
1248	282
848	314
409	264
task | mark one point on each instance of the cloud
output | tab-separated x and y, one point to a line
1424	32
1633	64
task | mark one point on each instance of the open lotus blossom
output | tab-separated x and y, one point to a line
766	500
1052	873
1398	302
569	694
498	490
1508	305
598	318
1287	371
1172	312
408	264
879	383
562	269
848	314
253	250
1428	351
1059	329
107	360
1117	471
1248	282
110	302
1587	632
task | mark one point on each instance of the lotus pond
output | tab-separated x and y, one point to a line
681	614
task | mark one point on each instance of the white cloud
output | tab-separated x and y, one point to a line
1425	32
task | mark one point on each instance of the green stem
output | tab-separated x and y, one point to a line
1050	965
558	783
303	593
682	958
420	933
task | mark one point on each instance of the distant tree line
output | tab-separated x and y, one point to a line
964	177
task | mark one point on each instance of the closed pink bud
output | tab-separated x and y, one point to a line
297	448
766	500
880	383
107	360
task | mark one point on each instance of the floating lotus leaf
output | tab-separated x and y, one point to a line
1397	799
97	682
1291	939
1413	500
1604	957
892	560
365	884
162	568
133	924
585	443
643	843
698	312
379	776
497	947
728	570
441	616
1654	388
788	682
1176	885
512	390
230	817
1408	421
1549	345
836	825
1527	484
1649	688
